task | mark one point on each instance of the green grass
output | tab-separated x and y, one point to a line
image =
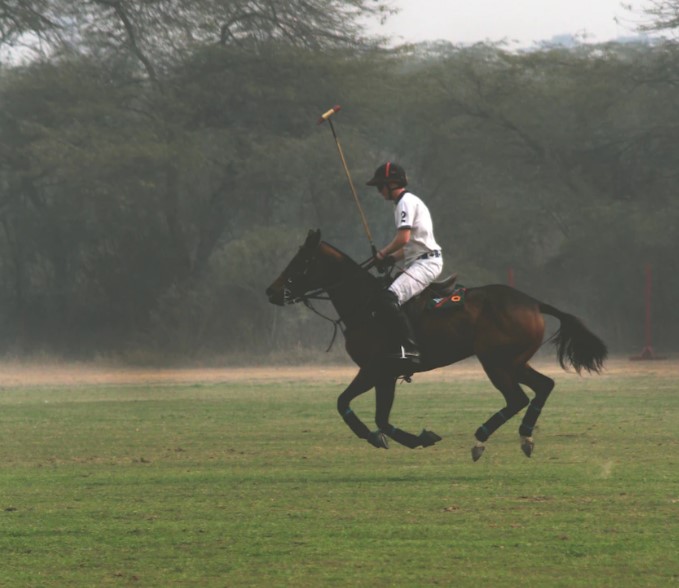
263	485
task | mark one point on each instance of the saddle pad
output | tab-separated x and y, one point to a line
454	300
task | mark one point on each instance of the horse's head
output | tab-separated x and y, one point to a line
303	274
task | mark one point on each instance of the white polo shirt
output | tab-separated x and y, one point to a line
411	213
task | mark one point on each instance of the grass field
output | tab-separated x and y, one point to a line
246	481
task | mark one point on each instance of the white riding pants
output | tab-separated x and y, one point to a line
416	277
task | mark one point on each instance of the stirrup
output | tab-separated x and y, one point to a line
411	357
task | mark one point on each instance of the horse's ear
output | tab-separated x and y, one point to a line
313	238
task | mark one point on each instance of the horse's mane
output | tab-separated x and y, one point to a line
339	255
349	265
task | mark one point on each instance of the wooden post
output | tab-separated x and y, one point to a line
647	352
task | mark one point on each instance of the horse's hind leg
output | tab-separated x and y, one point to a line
504	378
542	386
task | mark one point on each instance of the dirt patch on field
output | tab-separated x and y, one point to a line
15	374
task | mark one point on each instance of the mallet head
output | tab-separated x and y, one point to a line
326	115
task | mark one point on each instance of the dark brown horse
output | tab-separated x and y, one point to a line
500	325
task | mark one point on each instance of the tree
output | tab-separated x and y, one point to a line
36	18
150	189
661	15
161	32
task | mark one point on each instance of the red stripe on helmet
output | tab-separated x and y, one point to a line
386	170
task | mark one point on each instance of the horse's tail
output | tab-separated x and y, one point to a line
575	343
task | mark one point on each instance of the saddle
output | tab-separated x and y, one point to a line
441	295
441	288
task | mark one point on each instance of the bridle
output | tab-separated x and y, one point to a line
317	294
321	293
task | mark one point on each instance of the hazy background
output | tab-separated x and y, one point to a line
521	23
160	166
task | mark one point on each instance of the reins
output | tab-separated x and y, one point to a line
324	294
336	323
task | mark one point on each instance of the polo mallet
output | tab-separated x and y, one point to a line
326	117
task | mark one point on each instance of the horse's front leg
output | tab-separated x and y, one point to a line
385	391
364	381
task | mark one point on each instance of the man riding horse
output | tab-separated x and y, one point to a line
500	325
414	244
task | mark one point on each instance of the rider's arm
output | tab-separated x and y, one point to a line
396	246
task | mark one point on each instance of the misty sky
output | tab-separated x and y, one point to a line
523	21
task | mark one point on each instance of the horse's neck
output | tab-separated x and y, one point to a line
351	292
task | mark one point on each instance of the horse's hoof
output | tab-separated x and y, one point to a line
378	439
428	438
527	445
477	451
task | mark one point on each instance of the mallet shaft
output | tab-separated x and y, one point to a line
351	185
326	116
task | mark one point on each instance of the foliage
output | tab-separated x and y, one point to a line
158	169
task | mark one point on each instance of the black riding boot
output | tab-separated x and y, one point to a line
400	328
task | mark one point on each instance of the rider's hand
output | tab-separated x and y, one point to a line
383	263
